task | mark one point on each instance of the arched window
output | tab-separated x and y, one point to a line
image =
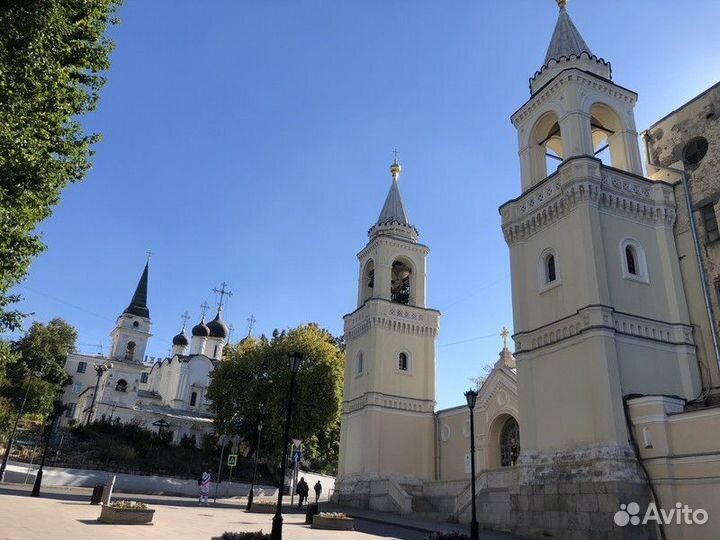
367	285
121	386
630	260
550	273
509	443
548	270
400	282
193	399
546	146
634	266
403	361
608	137
130	350
360	359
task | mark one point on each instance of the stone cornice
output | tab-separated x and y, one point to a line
388	401
401	243
603	317
585	180
394	317
591	80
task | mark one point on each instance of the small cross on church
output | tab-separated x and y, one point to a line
203	309
223	292
185	318
251	324
505	334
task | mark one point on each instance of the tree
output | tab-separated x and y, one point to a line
251	386
52	54
477	382
42	349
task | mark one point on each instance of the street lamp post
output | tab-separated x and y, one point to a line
6	456
252	484
99	369
58	408
295	361
471	397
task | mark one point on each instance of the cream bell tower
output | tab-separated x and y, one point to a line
599	310
389	395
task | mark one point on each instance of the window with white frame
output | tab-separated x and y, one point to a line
144	377
360	363
76	388
548	270
82	367
634	266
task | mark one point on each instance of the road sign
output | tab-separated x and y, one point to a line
297	455
232	460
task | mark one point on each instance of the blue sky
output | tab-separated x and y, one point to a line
249	142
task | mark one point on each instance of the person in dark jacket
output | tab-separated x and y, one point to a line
318	490
302	491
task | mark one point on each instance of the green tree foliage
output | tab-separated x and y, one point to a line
42	349
252	385
52	54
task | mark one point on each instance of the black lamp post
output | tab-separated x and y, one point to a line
99	369
276	534
252	485
58	408
471	397
6	456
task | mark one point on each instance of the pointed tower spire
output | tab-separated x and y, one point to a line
567	50
138	304
393	218
566	39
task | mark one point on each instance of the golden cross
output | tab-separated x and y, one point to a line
505	334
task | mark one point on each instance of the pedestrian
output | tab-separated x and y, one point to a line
204	487
302	490
318	490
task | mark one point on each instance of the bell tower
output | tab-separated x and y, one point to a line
389	395
598	307
132	330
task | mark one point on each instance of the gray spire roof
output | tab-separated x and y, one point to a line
393	211
138	304
566	39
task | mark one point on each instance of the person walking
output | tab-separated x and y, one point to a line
302	490
204	487
318	490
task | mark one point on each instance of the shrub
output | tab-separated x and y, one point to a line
259	535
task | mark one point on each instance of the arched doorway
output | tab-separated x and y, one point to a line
509	443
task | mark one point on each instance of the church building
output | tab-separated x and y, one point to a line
609	404
165	395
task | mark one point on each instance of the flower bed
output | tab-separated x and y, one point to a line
334	521
126	512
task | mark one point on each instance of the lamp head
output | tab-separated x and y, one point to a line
295	361
471	397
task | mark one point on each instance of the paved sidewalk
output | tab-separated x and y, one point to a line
65	513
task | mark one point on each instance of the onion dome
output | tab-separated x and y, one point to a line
181	339
218	329
201	329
